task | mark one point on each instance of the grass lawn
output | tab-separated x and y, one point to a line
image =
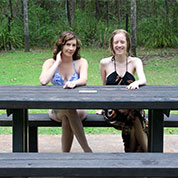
20	68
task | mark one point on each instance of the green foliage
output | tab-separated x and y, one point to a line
47	19
92	32
3	35
85	27
103	34
155	34
42	30
14	37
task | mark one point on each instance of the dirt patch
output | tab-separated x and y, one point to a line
147	54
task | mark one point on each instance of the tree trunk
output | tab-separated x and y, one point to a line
133	27
22	9
68	12
26	29
174	13
107	13
73	5
126	22
9	22
97	9
167	11
10	4
118	11
82	4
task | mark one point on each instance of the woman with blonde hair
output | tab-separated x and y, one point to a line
119	69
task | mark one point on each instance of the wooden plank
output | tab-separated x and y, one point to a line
92	120
20	136
87	105
33	139
152	97
155	137
149	90
89	164
171	121
102	93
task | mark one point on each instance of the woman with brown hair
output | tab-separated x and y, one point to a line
69	70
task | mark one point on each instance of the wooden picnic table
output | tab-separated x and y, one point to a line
19	98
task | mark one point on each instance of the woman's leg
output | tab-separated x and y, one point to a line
129	140
67	135
74	118
132	140
72	123
140	135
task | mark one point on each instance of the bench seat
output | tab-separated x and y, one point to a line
88	164
92	120
43	120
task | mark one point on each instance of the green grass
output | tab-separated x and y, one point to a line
20	68
90	130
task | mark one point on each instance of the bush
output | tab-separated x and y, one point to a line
155	34
14	37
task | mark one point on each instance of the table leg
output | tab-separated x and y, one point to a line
156	127
20	130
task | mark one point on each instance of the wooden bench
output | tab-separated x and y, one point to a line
88	164
43	120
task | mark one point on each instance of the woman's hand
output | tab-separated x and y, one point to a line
68	84
59	58
133	86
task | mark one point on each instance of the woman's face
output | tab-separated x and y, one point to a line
120	44
69	48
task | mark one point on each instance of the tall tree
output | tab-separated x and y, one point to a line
82	4
11	11
98	15
133	27
9	22
26	29
70	10
167	11
73	6
174	13
107	13
118	11
22	9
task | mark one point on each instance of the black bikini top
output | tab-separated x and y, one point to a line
115	79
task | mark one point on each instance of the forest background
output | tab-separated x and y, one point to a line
35	25
155	23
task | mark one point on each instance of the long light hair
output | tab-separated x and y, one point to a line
115	32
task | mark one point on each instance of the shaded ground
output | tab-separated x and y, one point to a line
99	143
147	54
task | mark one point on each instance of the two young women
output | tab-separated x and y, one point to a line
69	70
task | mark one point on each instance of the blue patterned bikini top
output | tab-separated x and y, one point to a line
57	79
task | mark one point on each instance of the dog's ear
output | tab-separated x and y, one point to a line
110	115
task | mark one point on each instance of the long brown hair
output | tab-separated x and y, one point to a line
64	37
115	32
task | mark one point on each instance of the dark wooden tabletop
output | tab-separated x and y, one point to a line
88	97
